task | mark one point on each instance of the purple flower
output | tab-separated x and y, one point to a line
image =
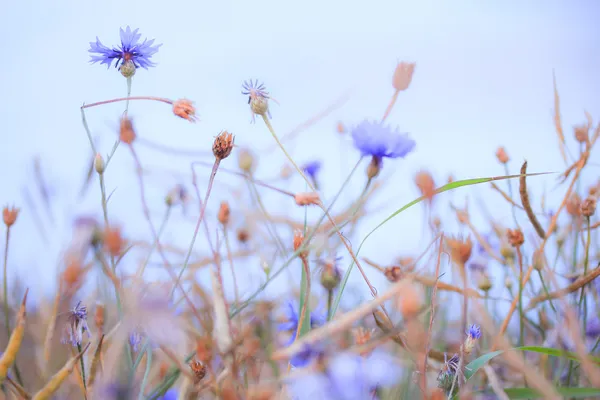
76	325
592	330
254	89
291	324
171	394
306	355
348	376
474	332
130	50
375	139
312	168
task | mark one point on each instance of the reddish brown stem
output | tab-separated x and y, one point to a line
99	103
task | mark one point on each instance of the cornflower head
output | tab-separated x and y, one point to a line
473	334
347	376
258	97
312	169
447	373
76	325
129	56
317	318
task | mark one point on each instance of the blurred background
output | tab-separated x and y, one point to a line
483	79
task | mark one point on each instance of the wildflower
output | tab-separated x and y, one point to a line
257	97
311	169
126	132
224	213
223	145
246	161
473	334
132	54
184	108
377	140
170	394
403	75
348	376
291	325
76	325
135	339
449	369
588	207
331	276
460	250
515	237
298	241
9	215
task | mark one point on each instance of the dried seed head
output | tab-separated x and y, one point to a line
330	276
185	109
298	242
127	69
361	336
460	249
126	133
99	317
538	261
515	237
374	167
508	283
204	347
9	215
574	205
588	207
246	161
223	145
306	199
99	165
340	128
393	274
507	252
403	75
463	216
198	369
410	301
113	241
259	105
502	156
224	213
484	283
582	133
426	185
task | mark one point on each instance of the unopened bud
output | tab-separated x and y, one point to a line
305	199
410	301
508	283
538	261
127	69
501	155
403	75
515	237
259	105
484	283
574	205
224	212
9	215
246	161
330	276
298	242
460	249
507	252
99	163
126	133
582	133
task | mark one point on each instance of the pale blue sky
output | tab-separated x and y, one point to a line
483	79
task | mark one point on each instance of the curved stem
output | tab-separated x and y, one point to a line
99	103
264	116
6	313
146	373
302	316
388	110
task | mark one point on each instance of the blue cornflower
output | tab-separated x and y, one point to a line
317	319
170	394
312	169
348	376
377	140
135	339
130	50
254	89
474	332
76	325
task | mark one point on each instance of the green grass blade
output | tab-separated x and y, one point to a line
571	393
445	188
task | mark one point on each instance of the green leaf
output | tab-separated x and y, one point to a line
573	393
445	188
475	365
557	353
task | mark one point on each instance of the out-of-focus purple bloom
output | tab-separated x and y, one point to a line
306	355
378	140
592	330
76	325
348	376
130	50
171	394
291	324
135	339
312	169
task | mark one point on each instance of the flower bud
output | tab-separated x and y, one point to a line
582	133
501	155
184	108
246	161
403	75
330	276
224	212
127	69
298	242
574	205
223	145
305	199
126	133
588	207
9	215
515	237
484	283
99	163
374	167
460	249
508	283
507	252
259	105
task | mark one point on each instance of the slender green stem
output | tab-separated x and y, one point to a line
510	193
521	319
146	373
329	303
582	298
198	222
547	292
6	308
82	368
155	243
266	119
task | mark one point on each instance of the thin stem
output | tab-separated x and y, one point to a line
6	311
82	369
230	259
146	373
301	319
521	322
329	302
198	222
510	193
388	110
270	127
547	292
128	98
582	298
155	243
